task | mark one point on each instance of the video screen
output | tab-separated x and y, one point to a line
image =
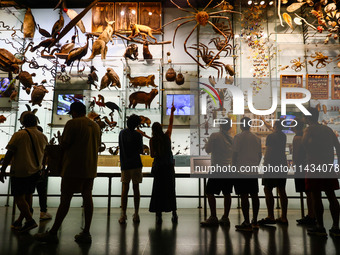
290	116
5	87
65	101
184	103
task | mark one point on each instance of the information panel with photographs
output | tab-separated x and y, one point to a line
126	14
318	85
335	86
291	81
100	13
150	14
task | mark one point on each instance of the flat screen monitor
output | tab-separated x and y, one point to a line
65	101
290	116
184	103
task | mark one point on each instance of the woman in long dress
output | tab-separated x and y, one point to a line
163	197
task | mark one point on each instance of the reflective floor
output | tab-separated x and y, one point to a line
108	237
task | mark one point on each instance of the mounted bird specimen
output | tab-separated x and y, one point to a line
66	48
44	32
45	44
28	26
92	78
77	54
113	106
71	14
111	79
58	25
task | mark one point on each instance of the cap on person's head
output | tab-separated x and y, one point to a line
21	118
78	108
29	120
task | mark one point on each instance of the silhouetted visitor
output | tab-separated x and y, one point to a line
130	146
300	162
275	156
220	147
80	142
25	152
163	197
319	142
247	152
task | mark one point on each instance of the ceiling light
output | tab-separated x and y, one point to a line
262	3
271	3
122	13
150	13
133	12
250	2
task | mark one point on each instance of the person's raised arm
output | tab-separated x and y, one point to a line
171	121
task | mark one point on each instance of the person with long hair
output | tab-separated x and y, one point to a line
163	197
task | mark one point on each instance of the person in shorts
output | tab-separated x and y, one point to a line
300	162
275	156
130	148
220	147
80	142
247	152
320	142
25	152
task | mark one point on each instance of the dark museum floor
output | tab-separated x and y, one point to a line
108	237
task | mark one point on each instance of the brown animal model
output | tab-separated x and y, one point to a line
146	52
144	121
9	63
38	94
26	80
141	30
99	46
131	52
28	26
58	25
141	97
142	81
2	118
111	79
66	48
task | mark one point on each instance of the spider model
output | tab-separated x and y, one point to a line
202	19
321	60
208	58
297	64
220	44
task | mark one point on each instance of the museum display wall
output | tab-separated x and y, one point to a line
261	54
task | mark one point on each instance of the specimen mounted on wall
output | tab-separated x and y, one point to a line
126	14
150	14
335	86
317	84
291	81
100	12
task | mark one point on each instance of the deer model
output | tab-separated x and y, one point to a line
99	46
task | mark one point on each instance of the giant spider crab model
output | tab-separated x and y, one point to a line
202	19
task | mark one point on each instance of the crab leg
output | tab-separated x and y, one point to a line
222	17
191	6
207	5
178	26
188	17
217	5
181	7
224	11
185	46
218	70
